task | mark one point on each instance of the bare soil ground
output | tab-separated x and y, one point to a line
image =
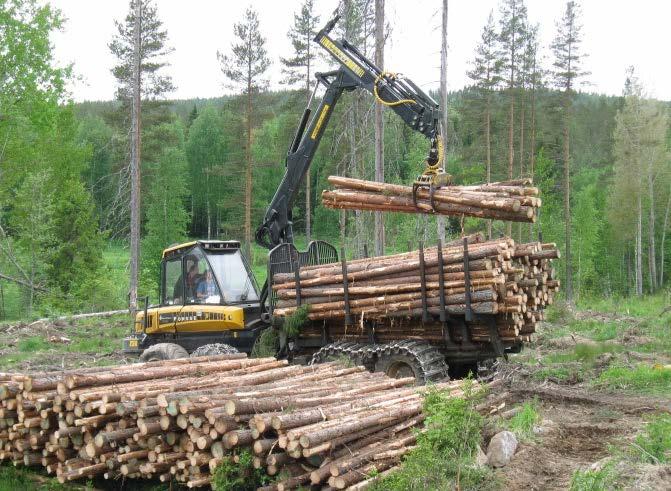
583	425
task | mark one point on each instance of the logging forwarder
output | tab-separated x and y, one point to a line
239	311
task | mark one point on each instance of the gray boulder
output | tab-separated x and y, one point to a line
501	449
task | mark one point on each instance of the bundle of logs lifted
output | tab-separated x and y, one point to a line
468	279
515	201
179	419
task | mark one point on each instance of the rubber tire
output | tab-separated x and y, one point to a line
394	365
163	351
214	349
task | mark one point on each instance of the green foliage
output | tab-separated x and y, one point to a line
653	444
166	217
229	476
14	478
604	479
32	344
445	453
294	323
522	423
153	50
266	345
642	378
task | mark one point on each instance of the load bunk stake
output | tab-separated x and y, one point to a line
422	279
444	316
297	277
467	283
345	287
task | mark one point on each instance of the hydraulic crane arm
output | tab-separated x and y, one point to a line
417	109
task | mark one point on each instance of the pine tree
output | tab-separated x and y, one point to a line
299	69
153	53
440	220
139	46
244	67
567	71
379	124
486	75
513	28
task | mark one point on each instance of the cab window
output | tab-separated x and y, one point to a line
233	276
172	286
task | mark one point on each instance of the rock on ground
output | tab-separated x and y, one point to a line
501	449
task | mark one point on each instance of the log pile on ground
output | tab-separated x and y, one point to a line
515	201
512	282
179	419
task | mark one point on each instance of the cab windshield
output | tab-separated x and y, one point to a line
233	277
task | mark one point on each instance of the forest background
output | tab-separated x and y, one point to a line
209	167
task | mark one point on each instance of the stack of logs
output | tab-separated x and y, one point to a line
179	419
515	201
512	282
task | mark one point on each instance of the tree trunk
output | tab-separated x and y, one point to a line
135	164
532	143
488	143
248	167
440	221
379	124
639	247
511	151
521	146
652	257
661	245
567	200
308	187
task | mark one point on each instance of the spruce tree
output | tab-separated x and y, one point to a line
567	71
298	70
245	67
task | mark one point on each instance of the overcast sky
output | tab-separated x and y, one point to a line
616	33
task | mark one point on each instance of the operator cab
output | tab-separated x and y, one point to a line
207	272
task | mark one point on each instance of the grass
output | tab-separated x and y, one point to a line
560	374
604	479
17	478
522	424
633	306
653	444
33	344
643	379
88	336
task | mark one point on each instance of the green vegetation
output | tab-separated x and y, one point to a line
229	476
642	378
266	344
294	323
32	344
653	445
604	479
95	338
445	453
522	424
18	478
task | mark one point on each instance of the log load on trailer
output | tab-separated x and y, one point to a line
410	321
